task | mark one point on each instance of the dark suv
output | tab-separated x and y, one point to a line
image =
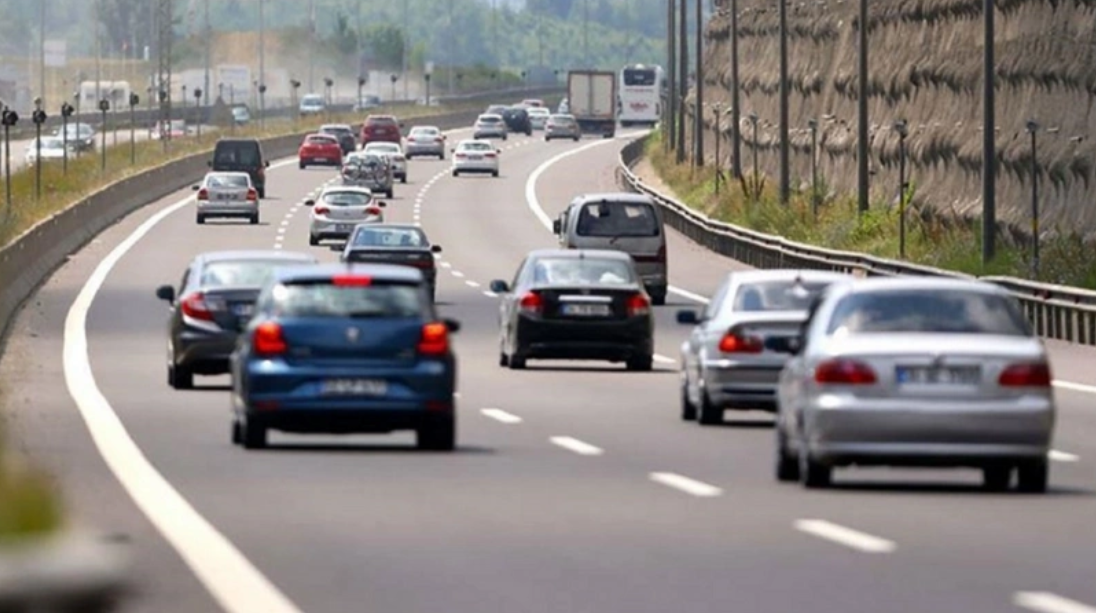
381	129
517	120
242	155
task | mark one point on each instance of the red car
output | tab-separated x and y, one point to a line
381	129
320	149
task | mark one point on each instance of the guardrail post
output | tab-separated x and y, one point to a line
1068	315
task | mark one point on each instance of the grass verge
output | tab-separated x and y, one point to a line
29	504
931	239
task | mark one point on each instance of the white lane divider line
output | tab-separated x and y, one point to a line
1056	455
281	230
490	294
841	535
471	284
236	584
500	415
1046	602
661	359
456	273
687	485
575	445
1074	387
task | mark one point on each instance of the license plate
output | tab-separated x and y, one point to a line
243	310
323	160
344	227
475	157
922	375
354	387
225	197
586	310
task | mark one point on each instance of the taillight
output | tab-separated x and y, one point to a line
1035	374
195	307
460	156
737	343
203	194
321	210
531	302
439	140
268	339
844	372
252	194
638	305
434	340
661	256
489	155
372	210
351	281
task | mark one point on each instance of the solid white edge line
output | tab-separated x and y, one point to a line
1075	387
1056	455
575	445
687	485
236	584
501	416
841	535
1046	602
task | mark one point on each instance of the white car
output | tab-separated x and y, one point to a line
338	210
312	104
395	156
53	148
476	155
538	116
227	194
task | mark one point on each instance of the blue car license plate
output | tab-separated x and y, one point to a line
354	387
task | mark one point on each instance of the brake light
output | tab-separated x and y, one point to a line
321	210
195	307
736	343
252	194
372	210
531	302
638	305
844	372
1035	374
489	155
434	340
351	281
268	339
460	156
439	139
203	194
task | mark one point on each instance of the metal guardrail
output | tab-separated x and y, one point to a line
1055	311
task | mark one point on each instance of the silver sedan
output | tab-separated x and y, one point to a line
917	371
226	194
425	140
489	125
738	346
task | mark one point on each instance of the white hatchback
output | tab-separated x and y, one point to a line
338	210
476	156
538	116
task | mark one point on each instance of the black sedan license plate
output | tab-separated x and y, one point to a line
586	310
243	310
354	387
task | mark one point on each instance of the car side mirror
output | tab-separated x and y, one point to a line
688	317
382	204
498	151
499	287
451	324
557	226
195	187
435	248
309	202
166	293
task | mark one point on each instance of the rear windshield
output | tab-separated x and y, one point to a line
477	147
336	130
326	300
581	270
424	131
321	140
928	311
240	273
618	219
228	181
312	100
776	296
639	76
389	237
381	121
490	119
237	153
347	198
383	147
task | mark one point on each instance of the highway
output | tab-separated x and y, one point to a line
575	487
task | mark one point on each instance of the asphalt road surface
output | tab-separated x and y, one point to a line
575	487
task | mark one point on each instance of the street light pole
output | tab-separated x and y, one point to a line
208	52
785	163
586	33
683	75
38	117
813	123
197	107
262	47
902	128
698	107
42	49
66	112
755	189
134	100
670	117
311	45
736	117
1033	129
104	106
989	145
9	118
862	186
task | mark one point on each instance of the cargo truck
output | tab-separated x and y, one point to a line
592	97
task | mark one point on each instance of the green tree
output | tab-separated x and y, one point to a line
387	43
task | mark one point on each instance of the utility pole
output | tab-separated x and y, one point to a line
862	151
41	52
785	164
262	63
358	38
683	74
495	32
406	60
208	56
164	14
586	34
989	141
311	45
698	112
98	50
670	110
452	49
736	112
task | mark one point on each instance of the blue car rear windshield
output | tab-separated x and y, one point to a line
326	300
928	311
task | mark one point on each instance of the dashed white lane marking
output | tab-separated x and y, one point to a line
575	445
1061	456
1046	602
471	284
663	359
446	265
456	273
236	585
500	415
1074	387
490	294
848	537
687	485
281	230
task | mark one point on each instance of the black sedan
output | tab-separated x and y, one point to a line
575	305
214	301
399	244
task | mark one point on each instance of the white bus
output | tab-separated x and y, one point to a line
640	94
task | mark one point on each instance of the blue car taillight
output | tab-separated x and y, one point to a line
434	341
268	340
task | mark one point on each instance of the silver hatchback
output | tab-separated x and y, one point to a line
338	210
916	371
489	125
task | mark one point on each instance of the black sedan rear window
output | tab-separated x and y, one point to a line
240	273
567	271
928	311
381	236
326	299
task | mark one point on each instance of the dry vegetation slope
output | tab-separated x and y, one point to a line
926	59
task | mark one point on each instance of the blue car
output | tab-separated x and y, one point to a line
339	349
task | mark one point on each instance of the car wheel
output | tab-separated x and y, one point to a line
403	179
787	465
388	194
237	432
312	240
253	436
814	474
708	414
495	173
302	165
546	139
688	409
456	174
504	360
262	192
658	298
516	361
180	377
441	156
254	220
200	219
997	478
1032	476
440	435
640	363
576	139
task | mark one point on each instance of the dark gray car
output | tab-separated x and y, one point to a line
213	302
389	243
344	133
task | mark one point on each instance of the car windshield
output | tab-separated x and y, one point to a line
562	271
490	119
336	130
227	180
382	121
476	146
237	154
928	311
424	131
312	101
380	236
321	140
347	198
788	295
52	143
239	273
240	112
618	219
80	131
327	300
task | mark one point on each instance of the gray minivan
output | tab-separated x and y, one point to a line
626	222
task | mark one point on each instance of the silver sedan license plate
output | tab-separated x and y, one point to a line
948	375
354	387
